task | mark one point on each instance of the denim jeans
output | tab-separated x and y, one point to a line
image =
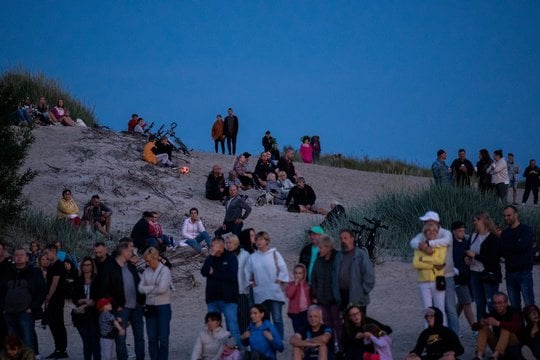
135	317
274	307
520	283
158	330
194	243
482	294
90	338
22	324
230	310
450	305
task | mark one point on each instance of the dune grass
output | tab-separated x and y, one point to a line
17	84
400	210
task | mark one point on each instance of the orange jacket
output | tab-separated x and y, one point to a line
217	130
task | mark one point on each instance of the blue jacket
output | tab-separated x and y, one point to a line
222	283
259	343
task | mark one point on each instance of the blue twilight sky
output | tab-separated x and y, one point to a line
378	78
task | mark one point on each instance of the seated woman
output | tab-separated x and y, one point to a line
194	232
354	329
448	346
285	183
139	128
262	335
62	115
274	188
531	334
67	208
209	343
315	340
14	349
241	167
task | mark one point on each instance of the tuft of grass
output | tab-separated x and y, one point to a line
46	229
17	84
400	210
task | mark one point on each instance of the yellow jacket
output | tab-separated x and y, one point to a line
147	153
65	208
425	264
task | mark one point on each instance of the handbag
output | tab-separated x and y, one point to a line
440	283
489	277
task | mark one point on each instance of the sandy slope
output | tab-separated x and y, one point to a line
90	162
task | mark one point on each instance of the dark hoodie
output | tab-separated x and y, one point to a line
437	340
23	289
321	280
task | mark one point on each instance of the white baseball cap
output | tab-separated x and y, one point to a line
430	216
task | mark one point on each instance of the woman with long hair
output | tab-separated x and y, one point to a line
261	335
62	115
85	316
484	260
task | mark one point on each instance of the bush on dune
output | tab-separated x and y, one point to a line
400	210
18	84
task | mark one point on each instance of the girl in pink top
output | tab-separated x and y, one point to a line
306	150
299	299
381	342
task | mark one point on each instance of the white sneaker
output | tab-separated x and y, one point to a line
527	353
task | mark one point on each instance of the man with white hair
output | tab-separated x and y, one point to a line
444	239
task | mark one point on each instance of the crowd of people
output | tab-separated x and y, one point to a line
495	174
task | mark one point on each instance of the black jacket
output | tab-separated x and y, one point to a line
517	248
22	290
490	255
112	283
214	185
222	283
78	293
140	232
305	196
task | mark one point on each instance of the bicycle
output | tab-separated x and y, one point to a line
370	241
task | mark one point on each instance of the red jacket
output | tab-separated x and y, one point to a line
299	297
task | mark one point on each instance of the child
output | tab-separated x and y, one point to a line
139	128
299	299
14	349
306	151
230	350
381	342
107	327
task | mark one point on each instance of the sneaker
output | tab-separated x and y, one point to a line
527	353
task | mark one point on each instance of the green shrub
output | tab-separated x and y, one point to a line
400	210
45	228
18	84
387	166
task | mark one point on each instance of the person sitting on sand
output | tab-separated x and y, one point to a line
67	208
306	151
285	163
284	182
151	156
314	341
163	146
438	341
14	349
43	113
132	123
98	215
139	128
337	212
274	153
194	232
263	168
233	179
215	184
23	114
246	176
141	231
209	343
303	196
273	187
61	113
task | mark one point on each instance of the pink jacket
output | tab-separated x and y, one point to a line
299	298
306	153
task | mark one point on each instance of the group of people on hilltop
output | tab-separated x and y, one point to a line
310	147
452	265
280	182
243	270
495	174
29	114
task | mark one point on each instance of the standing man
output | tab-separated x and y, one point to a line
531	175
356	277
54	302
310	252
517	247
513	174
499	175
220	269
23	293
231	130
441	173
101	259
120	282
236	211
444	239
462	169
